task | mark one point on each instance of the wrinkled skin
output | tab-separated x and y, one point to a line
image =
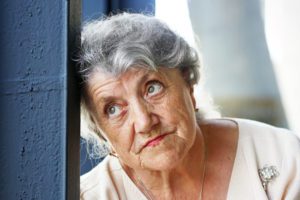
139	105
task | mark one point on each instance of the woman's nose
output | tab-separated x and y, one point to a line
144	118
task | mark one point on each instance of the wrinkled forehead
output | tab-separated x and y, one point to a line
101	75
101	78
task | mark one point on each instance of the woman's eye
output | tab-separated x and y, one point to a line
113	110
154	88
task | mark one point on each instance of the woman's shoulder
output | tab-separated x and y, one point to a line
101	180
262	147
253	134
262	132
261	142
266	144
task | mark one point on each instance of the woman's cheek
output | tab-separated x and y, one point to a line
124	138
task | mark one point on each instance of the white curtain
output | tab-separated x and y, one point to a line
282	27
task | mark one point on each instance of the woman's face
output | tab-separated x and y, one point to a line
147	116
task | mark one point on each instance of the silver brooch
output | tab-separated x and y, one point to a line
267	174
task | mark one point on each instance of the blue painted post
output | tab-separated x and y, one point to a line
38	102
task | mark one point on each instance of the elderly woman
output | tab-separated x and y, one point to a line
137	92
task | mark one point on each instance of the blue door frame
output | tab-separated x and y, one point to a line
39	119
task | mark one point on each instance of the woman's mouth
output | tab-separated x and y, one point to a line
155	141
152	142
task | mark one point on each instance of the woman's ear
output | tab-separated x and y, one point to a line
193	96
186	73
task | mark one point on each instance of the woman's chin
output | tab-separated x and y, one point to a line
162	159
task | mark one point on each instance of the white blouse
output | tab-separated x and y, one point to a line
259	145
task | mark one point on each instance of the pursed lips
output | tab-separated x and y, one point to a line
158	136
154	141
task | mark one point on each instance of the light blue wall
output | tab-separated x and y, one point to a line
234	48
239	71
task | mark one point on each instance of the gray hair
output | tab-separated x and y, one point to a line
119	42
125	40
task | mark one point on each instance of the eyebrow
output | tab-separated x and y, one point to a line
106	99
145	77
